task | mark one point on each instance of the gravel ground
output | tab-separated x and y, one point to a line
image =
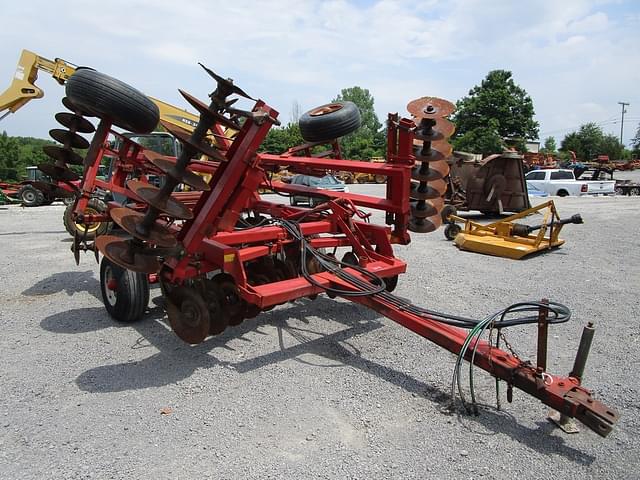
322	389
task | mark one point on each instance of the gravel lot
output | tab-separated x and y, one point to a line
322	389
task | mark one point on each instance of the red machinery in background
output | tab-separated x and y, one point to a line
223	252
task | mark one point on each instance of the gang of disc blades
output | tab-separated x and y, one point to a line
119	251
129	219
168	166
74	140
75	122
151	195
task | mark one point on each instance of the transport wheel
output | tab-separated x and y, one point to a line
110	99
94	207
125	293
329	121
451	231
448	210
30	196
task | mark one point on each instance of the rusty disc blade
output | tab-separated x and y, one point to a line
151	195
442	130
436	171
430	107
226	82
425	225
62	154
121	252
208	112
129	219
421	191
69	139
185	137
188	315
426	208
432	155
68	104
421	174
75	122
58	173
168	166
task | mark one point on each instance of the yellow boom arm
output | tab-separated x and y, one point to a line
23	89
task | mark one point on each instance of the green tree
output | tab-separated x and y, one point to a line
590	141
369	140
279	139
549	145
498	107
635	143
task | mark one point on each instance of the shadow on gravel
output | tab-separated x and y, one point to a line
32	232
67	282
541	439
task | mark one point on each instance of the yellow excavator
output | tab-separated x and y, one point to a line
23	88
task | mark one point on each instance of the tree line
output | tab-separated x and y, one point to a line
17	153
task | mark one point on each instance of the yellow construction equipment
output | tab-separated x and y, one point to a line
506	238
23	89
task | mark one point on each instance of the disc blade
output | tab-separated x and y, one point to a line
428	191
75	122
188	315
430	107
425	225
129	219
120	252
228	83
208	112
63	155
151	195
68	138
57	172
167	165
185	137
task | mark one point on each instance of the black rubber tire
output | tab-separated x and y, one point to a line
30	196
110	99
448	210
451	230
103	227
329	121
130	298
634	191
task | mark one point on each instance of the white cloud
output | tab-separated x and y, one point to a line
566	54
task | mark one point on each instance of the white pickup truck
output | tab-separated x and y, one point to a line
563	182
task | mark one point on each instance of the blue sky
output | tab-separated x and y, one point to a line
577	59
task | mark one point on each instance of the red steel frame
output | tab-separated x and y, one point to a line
211	244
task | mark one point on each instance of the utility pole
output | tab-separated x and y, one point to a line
624	104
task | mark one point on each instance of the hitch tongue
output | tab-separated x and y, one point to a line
592	413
